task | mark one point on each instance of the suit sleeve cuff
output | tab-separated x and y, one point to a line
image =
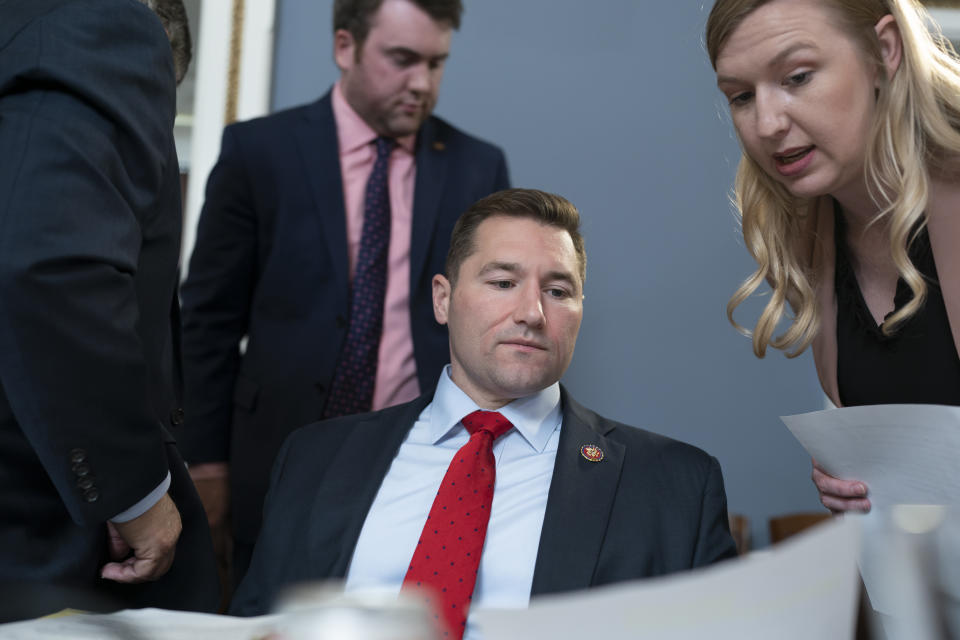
144	504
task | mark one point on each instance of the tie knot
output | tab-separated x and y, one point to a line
489	421
384	146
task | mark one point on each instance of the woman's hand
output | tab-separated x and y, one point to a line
840	495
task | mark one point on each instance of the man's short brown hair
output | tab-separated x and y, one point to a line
354	15
546	208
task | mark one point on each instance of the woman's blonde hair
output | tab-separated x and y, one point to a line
917	128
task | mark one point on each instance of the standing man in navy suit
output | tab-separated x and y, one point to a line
575	500
96	507
283	256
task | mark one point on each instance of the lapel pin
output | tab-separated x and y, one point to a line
439	146
591	452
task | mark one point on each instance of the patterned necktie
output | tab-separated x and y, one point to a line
352	388
447	557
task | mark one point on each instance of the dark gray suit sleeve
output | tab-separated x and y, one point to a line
86	115
216	296
714	541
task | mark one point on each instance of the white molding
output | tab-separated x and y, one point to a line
256	60
253	92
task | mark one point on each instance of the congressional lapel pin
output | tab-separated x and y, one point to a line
439	146
591	452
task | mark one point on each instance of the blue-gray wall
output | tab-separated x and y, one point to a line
613	105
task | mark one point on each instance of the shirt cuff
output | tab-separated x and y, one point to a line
145	504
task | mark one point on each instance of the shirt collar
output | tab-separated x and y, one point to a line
353	132
535	416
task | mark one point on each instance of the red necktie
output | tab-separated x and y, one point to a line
447	557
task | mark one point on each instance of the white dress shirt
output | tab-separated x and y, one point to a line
525	456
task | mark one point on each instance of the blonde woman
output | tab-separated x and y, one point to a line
848	113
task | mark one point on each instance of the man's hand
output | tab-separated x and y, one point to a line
840	495
152	537
212	481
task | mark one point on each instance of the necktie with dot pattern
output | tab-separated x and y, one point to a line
356	372
447	558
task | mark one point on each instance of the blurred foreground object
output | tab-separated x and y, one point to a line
321	611
307	612
141	624
910	564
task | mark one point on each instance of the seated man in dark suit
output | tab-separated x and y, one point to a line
579	500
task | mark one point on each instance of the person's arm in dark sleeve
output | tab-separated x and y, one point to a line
86	119
216	298
85	130
714	542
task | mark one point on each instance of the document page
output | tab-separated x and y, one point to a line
905	453
804	588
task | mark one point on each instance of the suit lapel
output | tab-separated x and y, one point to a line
431	174
320	151
578	505
352	480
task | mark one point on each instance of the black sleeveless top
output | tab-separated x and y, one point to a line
918	363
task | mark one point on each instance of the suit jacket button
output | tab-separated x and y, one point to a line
176	416
91	495
78	455
320	387
85	483
341	321
81	469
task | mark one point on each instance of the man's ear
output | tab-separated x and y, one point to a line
344	49
891	44
441	297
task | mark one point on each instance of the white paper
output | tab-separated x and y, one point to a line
145	624
905	453
804	588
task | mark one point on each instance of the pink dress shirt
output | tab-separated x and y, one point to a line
396	368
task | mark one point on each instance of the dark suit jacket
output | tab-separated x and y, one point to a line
652	506
89	242
271	263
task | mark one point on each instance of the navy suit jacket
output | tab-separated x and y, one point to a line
652	506
89	242
270	263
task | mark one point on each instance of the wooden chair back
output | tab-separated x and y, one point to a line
740	529
782	527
